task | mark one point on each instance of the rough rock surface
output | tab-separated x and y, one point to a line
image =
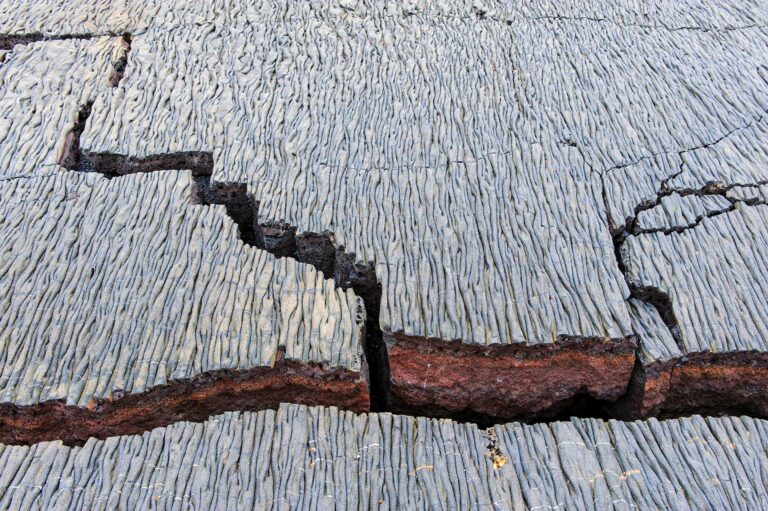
749	193
118	289
299	457
694	246
729	165
68	17
658	355
484	218
676	212
477	172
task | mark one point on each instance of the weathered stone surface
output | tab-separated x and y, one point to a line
124	306
737	160
299	457
625	94
79	17
749	193
471	170
676	212
27	18
687	15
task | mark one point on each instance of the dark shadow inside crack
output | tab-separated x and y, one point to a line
71	158
662	302
122	62
8	41
581	405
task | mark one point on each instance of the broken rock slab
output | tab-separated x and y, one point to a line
707	284
124	307
474	227
44	87
658	355
312	457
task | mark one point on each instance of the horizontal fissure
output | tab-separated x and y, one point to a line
194	399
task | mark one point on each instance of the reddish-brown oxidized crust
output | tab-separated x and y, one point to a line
719	384
193	400
701	383
505	382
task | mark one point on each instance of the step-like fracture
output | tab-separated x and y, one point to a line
126	306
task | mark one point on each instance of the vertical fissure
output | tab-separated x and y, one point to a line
71	159
122	62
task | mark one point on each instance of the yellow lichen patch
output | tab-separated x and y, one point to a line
497	458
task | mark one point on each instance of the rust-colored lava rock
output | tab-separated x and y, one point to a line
450	378
701	383
193	400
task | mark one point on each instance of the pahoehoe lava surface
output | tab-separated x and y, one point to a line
479	212
317	250
463	248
